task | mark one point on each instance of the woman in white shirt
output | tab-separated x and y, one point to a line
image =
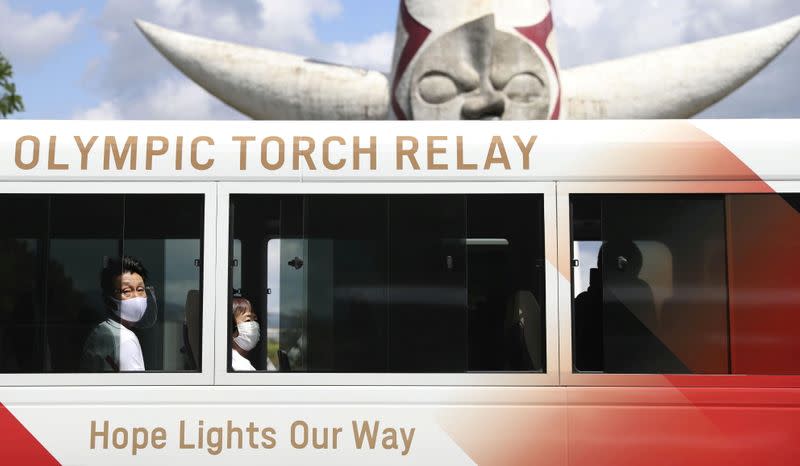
112	345
245	335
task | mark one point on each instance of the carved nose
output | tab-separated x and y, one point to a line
488	105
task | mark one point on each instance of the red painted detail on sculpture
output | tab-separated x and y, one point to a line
538	34
417	33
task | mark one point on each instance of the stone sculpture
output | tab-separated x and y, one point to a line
475	59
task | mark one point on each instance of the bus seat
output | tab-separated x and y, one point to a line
283	361
523	332
191	327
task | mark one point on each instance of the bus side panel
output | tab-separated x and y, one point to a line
529	427
287	425
683	426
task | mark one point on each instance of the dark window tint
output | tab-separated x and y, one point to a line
764	283
54	314
685	284
377	283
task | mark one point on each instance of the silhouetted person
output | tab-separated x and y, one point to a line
589	325
628	309
615	319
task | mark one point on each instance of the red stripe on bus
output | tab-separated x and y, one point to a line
18	445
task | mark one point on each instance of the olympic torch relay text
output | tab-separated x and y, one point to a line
148	154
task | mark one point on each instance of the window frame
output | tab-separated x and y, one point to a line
203	377
548	378
563	192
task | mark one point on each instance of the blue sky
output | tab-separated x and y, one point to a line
87	60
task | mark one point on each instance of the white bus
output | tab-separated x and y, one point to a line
554	293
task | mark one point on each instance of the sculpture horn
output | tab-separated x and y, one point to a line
269	85
677	82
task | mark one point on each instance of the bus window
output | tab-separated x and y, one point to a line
54	313
700	284
764	283
391	283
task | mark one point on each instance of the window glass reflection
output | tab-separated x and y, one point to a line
378	283
700	284
55	253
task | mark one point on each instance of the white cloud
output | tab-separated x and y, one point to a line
618	28
579	15
134	81
173	98
26	38
374	53
170	99
105	110
285	22
591	31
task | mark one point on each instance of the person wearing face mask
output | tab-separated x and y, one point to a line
245	336
112	346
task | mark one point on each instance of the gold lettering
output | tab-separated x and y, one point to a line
243	140
179	153
372	150
326	161
183	444
94	433
119	438
239	434
460	164
268	434
526	151
281	149
299	437
84	150
195	163
18	153
129	150
51	157
297	152
410	152
433	150
140	438
497	145
214	440
152	152
159	438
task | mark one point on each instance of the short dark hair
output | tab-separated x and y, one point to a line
116	267
624	248
239	306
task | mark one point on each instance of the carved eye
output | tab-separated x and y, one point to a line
524	88
437	88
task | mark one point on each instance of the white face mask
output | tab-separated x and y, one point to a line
249	334
132	309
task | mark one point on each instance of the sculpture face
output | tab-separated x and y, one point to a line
477	59
478	72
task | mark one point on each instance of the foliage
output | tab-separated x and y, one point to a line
10	101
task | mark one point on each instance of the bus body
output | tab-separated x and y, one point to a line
554	293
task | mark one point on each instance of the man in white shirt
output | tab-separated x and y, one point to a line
112	346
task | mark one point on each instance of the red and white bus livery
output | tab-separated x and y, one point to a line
543	293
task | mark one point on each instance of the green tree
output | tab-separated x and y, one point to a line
10	101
